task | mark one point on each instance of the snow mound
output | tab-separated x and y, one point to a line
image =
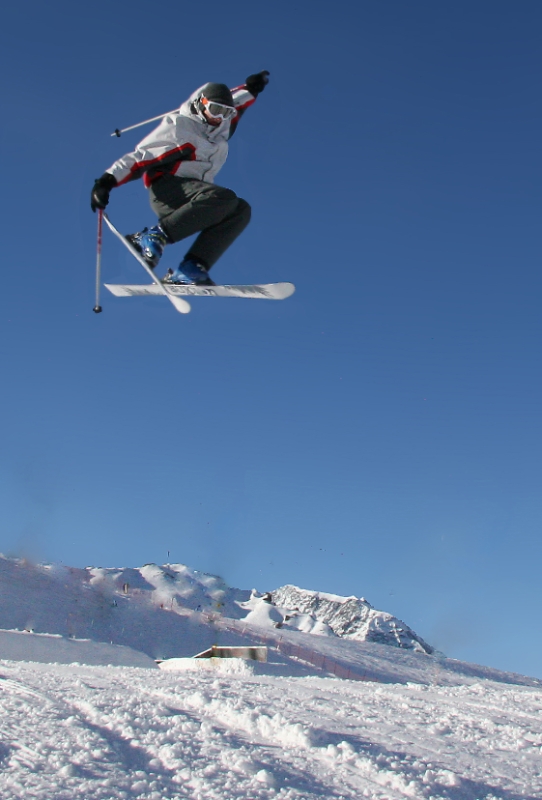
222	666
171	586
266	614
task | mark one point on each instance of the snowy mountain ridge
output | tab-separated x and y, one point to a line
351	618
104	603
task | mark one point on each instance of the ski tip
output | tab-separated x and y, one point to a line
287	290
182	305
280	291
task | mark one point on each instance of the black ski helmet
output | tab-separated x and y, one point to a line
218	92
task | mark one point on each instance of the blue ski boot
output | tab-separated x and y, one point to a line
150	243
189	272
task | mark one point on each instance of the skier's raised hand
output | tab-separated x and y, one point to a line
99	197
256	83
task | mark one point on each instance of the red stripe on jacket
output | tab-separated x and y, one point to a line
187	151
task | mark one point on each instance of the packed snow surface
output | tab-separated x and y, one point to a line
102	733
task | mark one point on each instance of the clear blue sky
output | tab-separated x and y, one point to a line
379	433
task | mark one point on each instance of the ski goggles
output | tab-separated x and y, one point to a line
217	110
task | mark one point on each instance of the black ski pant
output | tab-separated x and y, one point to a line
185	206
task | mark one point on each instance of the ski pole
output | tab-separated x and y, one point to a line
118	132
97	308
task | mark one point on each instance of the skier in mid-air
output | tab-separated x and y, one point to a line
178	162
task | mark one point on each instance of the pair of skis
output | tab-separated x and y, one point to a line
176	293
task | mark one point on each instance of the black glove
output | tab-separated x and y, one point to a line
99	197
257	83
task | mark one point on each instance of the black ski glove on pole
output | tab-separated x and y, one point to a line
99	197
257	83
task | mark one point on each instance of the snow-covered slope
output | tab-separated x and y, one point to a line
97	733
105	604
161	611
403	724
52	648
172	611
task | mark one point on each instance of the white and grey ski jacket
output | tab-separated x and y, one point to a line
182	145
